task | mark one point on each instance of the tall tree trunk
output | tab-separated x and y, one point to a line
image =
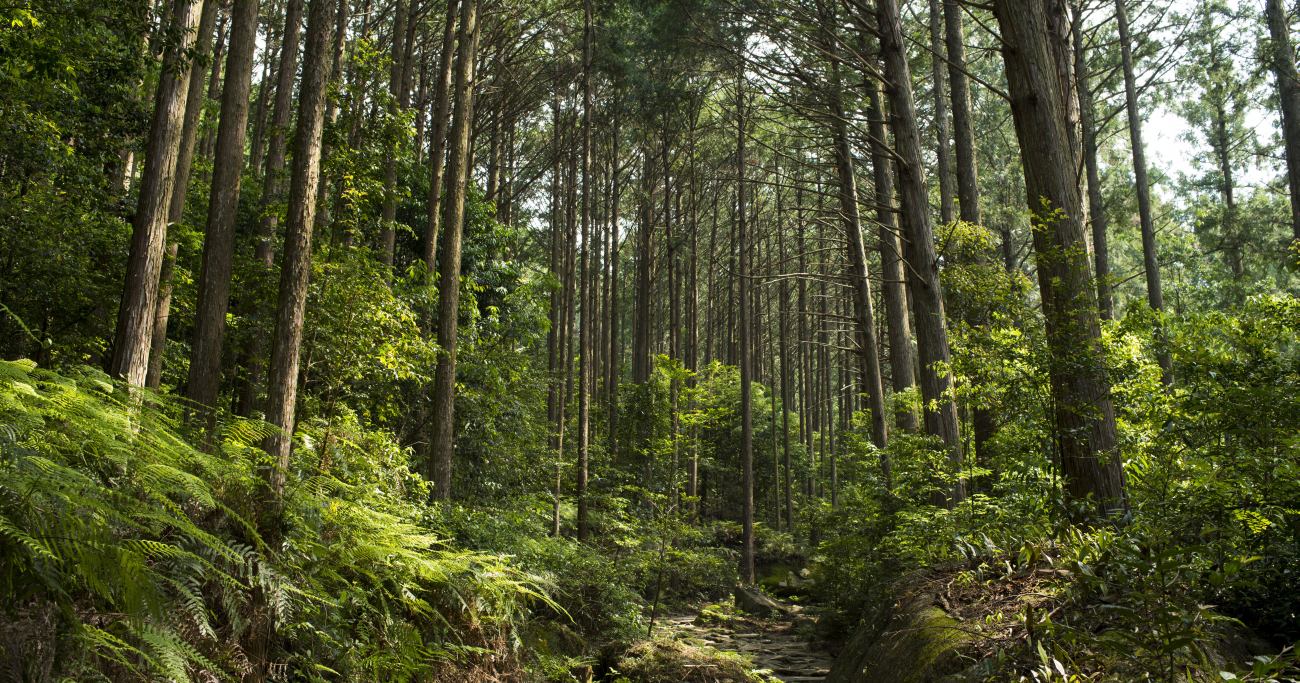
555	316
615	359
968	194
1096	207
458	176
133	339
859	278
402	12
1150	255
902	371
438	138
644	258
963	129
264	252
787	396
215	76
1085	417
746	400
223	205
194	102
295	268
1283	60
803	338
271	55
940	412
1221	143
588	310
942	133
272	180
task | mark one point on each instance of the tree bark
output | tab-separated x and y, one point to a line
458	176
223	205
276	145
1096	207
388	212
942	132
940	412
894	278
747	576
295	269
1150	255
1084	415
438	137
859	278
1283	61
588	311
133	339
264	251
194	101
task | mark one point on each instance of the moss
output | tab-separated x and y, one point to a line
664	660
918	643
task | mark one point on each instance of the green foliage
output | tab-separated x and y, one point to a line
1210	544
137	554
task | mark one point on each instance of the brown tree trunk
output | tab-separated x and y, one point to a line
272	180
1085	417
940	413
615	347
859	278
438	137
588	310
1150	255
194	101
963	129
1096	207
257	151
894	279
264	251
458	177
942	133
747	575
641	314
223	205
295	270
555	333
1283	60
162	313
133	339
968	195
388	212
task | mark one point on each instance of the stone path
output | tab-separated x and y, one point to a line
771	643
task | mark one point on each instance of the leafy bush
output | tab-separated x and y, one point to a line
128	554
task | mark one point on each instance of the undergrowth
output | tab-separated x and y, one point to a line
128	554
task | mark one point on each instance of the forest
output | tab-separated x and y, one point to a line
700	341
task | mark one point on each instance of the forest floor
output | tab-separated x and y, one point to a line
776	644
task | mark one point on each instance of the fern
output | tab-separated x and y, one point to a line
148	547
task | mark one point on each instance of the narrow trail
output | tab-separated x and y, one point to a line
771	643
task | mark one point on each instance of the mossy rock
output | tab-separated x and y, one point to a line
666	660
912	641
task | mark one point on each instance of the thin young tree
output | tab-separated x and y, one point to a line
747	575
588	311
1088	128
1142	183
